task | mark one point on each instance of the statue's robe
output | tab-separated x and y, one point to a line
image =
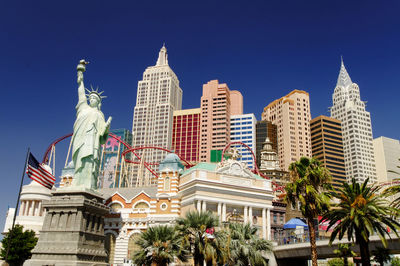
89	134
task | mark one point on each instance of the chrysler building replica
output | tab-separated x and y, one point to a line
158	96
356	127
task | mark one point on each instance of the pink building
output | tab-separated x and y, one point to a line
291	115
218	103
186	134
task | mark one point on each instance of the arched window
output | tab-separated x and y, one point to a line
141	207
166	183
115	206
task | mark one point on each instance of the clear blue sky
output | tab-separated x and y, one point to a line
264	49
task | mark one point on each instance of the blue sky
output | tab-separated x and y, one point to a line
264	49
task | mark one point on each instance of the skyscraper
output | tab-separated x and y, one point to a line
186	134
158	96
265	129
291	115
243	129
387	156
327	147
216	108
356	129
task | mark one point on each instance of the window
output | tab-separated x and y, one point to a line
166	183
115	207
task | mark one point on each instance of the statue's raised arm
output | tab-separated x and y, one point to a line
81	88
90	132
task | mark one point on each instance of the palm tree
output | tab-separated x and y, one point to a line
309	183
202	245
159	245
360	212
381	255
246	247
344	251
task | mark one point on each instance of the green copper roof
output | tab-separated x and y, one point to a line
201	166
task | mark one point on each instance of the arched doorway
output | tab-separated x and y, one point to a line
132	247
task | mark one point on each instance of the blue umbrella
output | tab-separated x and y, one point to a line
293	223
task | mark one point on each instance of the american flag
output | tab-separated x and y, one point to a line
37	172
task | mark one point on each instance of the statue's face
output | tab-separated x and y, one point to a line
94	100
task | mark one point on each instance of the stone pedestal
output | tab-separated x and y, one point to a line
73	230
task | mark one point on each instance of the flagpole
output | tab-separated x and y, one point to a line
16	207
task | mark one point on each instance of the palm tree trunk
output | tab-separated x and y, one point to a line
364	250
345	261
311	230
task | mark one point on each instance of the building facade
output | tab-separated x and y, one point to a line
327	147
243	129
264	130
269	167
111	172
31	213
228	189
356	129
387	158
186	134
291	115
158	96
217	106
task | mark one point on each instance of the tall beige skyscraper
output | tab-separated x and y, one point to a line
158	96
387	159
291	115
356	129
218	103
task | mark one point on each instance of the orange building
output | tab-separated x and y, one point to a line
218	103
291	114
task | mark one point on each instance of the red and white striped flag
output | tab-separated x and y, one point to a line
37	172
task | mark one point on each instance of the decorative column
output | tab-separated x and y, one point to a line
39	209
31	208
204	206
269	224
22	208
245	213
264	224
198	205
219	211
224	212
251	215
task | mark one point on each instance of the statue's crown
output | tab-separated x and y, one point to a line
95	92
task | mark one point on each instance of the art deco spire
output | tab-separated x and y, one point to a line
162	57
344	79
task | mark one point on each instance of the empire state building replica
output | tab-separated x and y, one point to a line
356	127
158	96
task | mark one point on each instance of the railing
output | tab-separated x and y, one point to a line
287	238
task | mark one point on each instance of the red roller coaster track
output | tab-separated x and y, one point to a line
147	165
128	149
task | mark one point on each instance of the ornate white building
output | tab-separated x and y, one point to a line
356	128
31	213
158	96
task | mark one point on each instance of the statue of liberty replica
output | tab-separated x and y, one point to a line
90	132
73	228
